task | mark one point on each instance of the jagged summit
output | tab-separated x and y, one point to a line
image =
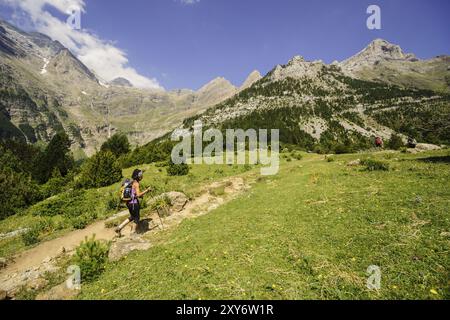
216	90
296	68
251	79
377	51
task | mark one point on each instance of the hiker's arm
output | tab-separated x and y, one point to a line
140	194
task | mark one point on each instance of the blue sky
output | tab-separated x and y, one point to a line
186	45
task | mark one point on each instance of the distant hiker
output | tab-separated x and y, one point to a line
131	193
379	142
412	143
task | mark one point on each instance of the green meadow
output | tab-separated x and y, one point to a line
310	232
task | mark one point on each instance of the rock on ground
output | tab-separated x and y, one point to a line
12	234
60	292
122	247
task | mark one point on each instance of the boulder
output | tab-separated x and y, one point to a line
354	163
123	246
60	292
427	147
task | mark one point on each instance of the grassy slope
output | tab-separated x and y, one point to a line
308	233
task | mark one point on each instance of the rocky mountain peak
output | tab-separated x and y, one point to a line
383	49
215	91
377	51
297	68
296	60
251	79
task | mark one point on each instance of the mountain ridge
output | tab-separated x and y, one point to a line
44	80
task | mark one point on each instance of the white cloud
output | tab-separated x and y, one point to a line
103	57
189	2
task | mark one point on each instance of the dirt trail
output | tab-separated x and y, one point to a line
55	247
33	259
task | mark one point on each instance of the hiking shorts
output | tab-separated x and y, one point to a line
135	212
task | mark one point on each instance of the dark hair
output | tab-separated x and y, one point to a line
137	175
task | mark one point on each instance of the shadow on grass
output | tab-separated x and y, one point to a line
443	159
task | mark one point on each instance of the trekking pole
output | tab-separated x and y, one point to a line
160	219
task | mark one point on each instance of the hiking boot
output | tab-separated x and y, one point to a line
118	232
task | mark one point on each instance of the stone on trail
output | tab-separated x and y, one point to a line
123	246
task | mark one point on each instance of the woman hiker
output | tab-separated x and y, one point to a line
133	205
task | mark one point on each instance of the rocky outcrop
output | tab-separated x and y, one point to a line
178	200
13	234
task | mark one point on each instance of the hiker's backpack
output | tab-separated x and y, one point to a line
126	192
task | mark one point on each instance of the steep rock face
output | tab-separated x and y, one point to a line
68	68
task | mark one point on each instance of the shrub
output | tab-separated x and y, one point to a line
91	256
31	236
80	222
18	192
101	170
343	149
177	169
395	143
112	202
297	155
375	165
